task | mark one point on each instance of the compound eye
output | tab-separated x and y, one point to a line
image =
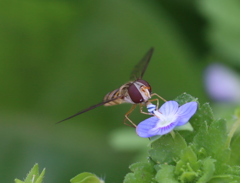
146	84
134	94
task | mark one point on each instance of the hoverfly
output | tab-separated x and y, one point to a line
136	91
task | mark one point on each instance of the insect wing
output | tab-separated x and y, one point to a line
90	108
139	69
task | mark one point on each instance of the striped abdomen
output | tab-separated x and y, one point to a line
111	95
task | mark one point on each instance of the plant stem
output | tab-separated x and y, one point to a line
234	128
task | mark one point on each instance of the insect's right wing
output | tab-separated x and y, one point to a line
139	69
90	108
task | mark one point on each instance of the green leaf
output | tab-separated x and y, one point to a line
185	98
86	177
166	174
167	149
142	172
213	139
33	176
41	176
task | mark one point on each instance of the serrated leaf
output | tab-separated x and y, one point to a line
129	178
142	172
204	113
86	177
32	174
218	135
41	176
166	174
166	149
213	139
185	98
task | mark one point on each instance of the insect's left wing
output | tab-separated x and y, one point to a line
139	69
90	108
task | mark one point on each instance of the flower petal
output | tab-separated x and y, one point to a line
185	112
169	108
143	127
163	129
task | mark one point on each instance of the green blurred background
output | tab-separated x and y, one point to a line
59	57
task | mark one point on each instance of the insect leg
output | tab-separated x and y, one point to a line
159	97
127	118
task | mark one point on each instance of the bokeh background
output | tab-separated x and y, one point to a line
59	57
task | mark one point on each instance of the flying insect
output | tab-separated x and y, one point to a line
137	91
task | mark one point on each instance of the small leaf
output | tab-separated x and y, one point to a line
142	172
31	177
86	177
185	98
166	174
166	149
41	176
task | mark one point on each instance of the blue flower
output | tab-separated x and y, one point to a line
169	116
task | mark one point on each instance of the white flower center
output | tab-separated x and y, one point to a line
164	120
